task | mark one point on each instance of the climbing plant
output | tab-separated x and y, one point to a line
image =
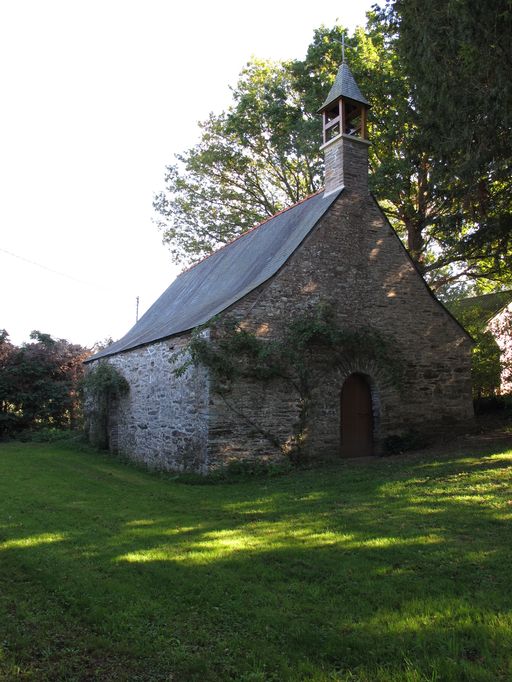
232	352
101	386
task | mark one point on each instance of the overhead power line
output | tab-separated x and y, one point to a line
45	267
71	277
61	274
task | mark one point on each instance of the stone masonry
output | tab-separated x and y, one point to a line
368	278
346	163
500	326
163	420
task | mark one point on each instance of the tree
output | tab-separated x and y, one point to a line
39	383
251	161
8	418
263	154
458	56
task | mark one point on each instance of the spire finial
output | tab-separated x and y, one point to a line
343	46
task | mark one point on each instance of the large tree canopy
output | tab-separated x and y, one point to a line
252	161
457	55
263	154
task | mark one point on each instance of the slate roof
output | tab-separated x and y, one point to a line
479	310
226	276
344	86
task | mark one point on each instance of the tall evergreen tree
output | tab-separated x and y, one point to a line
458	56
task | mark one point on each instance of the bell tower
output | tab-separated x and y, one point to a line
345	142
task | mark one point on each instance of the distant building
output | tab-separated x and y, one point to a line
486	316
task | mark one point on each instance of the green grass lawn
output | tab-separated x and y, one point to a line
398	569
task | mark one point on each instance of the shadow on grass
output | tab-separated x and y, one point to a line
395	571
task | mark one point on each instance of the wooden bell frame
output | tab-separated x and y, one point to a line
345	116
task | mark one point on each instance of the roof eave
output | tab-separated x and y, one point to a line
329	102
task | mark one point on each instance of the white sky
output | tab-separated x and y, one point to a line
96	97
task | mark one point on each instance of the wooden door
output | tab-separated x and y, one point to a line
356	417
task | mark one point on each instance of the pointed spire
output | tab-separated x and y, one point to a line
344	86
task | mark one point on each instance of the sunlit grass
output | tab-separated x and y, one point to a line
32	541
390	571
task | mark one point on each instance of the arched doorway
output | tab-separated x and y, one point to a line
356	417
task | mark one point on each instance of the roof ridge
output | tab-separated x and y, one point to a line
220	282
491	293
251	229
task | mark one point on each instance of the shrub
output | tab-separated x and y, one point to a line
395	444
43	435
493	404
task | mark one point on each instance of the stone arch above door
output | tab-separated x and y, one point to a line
379	384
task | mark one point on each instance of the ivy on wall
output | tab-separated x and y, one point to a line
102	385
310	341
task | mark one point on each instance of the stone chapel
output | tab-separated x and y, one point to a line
336	247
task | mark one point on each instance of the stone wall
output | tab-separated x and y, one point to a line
354	261
163	420
346	163
501	328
